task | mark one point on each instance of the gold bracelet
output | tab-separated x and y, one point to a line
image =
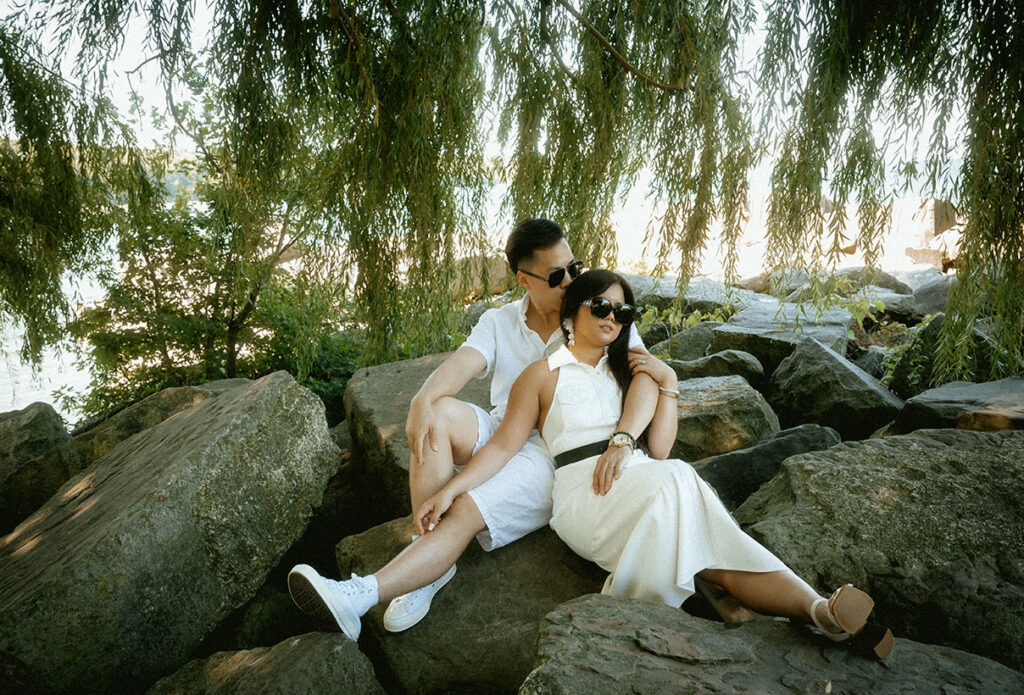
668	392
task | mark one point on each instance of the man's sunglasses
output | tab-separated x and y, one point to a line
601	307
558	274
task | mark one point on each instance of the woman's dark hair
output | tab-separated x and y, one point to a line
527	237
588	285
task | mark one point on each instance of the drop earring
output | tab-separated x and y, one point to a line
570	339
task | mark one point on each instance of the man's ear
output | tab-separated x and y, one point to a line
521	279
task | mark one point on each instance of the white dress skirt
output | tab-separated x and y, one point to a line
660	524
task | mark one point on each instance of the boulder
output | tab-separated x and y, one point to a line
377	404
785	282
689	344
651	291
918	277
756	283
872	360
702	294
930	524
123	572
313	663
816	384
481	629
597	645
737	474
770	332
724	363
27	434
719	414
932	297
864	276
898	307
36	481
912	368
988	407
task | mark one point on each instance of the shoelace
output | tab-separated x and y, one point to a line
353	587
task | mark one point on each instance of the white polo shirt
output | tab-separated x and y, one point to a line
510	346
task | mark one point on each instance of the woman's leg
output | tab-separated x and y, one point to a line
775	593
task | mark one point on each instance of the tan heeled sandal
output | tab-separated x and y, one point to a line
848	610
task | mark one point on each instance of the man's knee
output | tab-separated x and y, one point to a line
459	423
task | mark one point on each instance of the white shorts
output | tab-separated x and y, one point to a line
516	500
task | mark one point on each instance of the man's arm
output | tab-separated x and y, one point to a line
644	408
447	380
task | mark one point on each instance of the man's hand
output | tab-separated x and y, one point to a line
609	467
642	361
430	512
419	429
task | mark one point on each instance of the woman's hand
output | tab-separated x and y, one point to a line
430	512
609	467
642	361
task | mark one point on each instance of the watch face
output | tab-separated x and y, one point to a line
619	440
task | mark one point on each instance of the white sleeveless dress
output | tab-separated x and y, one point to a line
660	524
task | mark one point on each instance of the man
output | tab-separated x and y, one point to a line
444	432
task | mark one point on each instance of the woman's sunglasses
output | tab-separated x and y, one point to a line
601	307
558	274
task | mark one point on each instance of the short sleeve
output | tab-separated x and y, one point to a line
484	338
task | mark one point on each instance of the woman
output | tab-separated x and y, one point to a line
656	526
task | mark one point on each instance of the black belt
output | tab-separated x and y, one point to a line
580	453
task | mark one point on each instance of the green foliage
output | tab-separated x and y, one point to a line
68	168
835	72
359	129
908	366
677	320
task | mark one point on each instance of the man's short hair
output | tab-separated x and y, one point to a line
527	237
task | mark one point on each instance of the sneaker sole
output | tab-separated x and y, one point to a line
303	585
411	619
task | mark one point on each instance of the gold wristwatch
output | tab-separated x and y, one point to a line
622	439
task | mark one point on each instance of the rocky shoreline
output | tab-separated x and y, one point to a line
148	554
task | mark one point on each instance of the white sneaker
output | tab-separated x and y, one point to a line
408	609
336	604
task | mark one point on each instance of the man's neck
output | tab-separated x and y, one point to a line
541	322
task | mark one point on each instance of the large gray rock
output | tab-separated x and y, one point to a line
688	344
27	434
725	363
864	276
737	474
377	404
816	384
912	371
481	629
898	307
598	644
932	297
930	524
314	663
989	407
38	479
719	414
770	332
702	294
872	360
120	575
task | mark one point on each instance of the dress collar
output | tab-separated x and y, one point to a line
563	356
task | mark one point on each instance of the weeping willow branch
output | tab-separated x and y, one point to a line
646	79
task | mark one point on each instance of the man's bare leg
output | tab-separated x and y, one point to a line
455	437
429	557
